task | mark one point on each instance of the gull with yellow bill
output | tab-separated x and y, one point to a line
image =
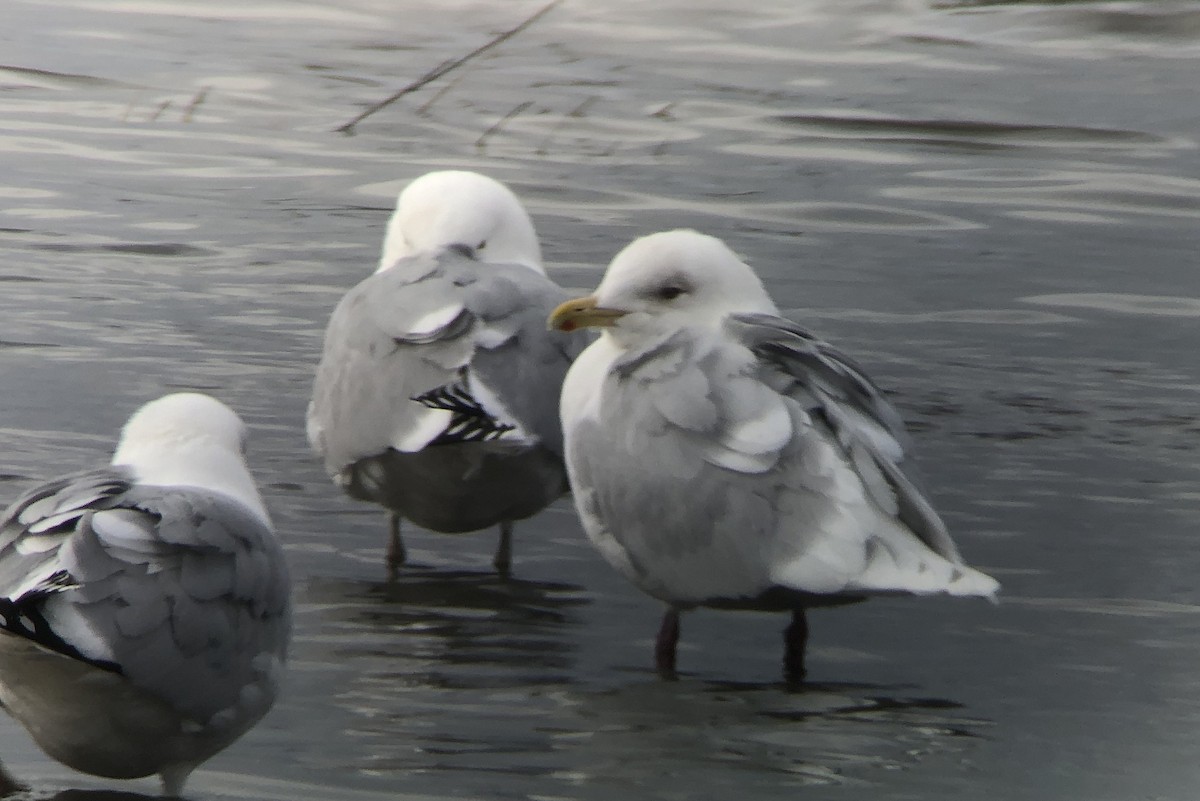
722	456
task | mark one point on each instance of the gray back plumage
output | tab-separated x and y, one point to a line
182	591
431	322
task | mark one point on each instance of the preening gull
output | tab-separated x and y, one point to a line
722	456
437	389
145	607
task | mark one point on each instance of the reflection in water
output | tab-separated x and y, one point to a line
464	678
434	592
446	629
442	670
747	740
232	786
98	795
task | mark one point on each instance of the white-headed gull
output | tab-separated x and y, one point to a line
436	394
145	607
722	456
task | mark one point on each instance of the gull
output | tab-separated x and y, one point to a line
436	393
145	606
722	456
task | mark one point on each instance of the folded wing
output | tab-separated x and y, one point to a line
435	350
185	593
764	458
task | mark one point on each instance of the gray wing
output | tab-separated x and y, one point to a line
678	470
183	592
831	385
518	362
440	348
716	468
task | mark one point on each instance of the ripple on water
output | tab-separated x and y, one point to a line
1120	607
754	740
865	126
155	249
618	205
26	192
50	214
966	316
1070	29
464	675
49	79
1148	305
1117	195
282	12
453	685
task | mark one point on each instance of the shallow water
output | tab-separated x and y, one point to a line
993	205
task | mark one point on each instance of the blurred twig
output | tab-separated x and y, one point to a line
190	112
446	67
479	143
163	106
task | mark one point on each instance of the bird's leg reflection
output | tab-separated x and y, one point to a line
795	640
502	561
664	646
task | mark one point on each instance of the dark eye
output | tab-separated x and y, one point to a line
481	245
669	292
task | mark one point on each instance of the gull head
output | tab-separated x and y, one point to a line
456	207
667	281
189	439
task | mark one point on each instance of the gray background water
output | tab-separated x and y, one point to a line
993	205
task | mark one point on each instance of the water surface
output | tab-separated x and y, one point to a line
993	205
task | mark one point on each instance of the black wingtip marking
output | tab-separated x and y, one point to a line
23	617
469	421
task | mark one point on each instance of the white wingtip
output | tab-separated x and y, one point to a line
974	582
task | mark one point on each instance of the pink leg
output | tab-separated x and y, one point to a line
502	561
396	554
795	640
664	646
